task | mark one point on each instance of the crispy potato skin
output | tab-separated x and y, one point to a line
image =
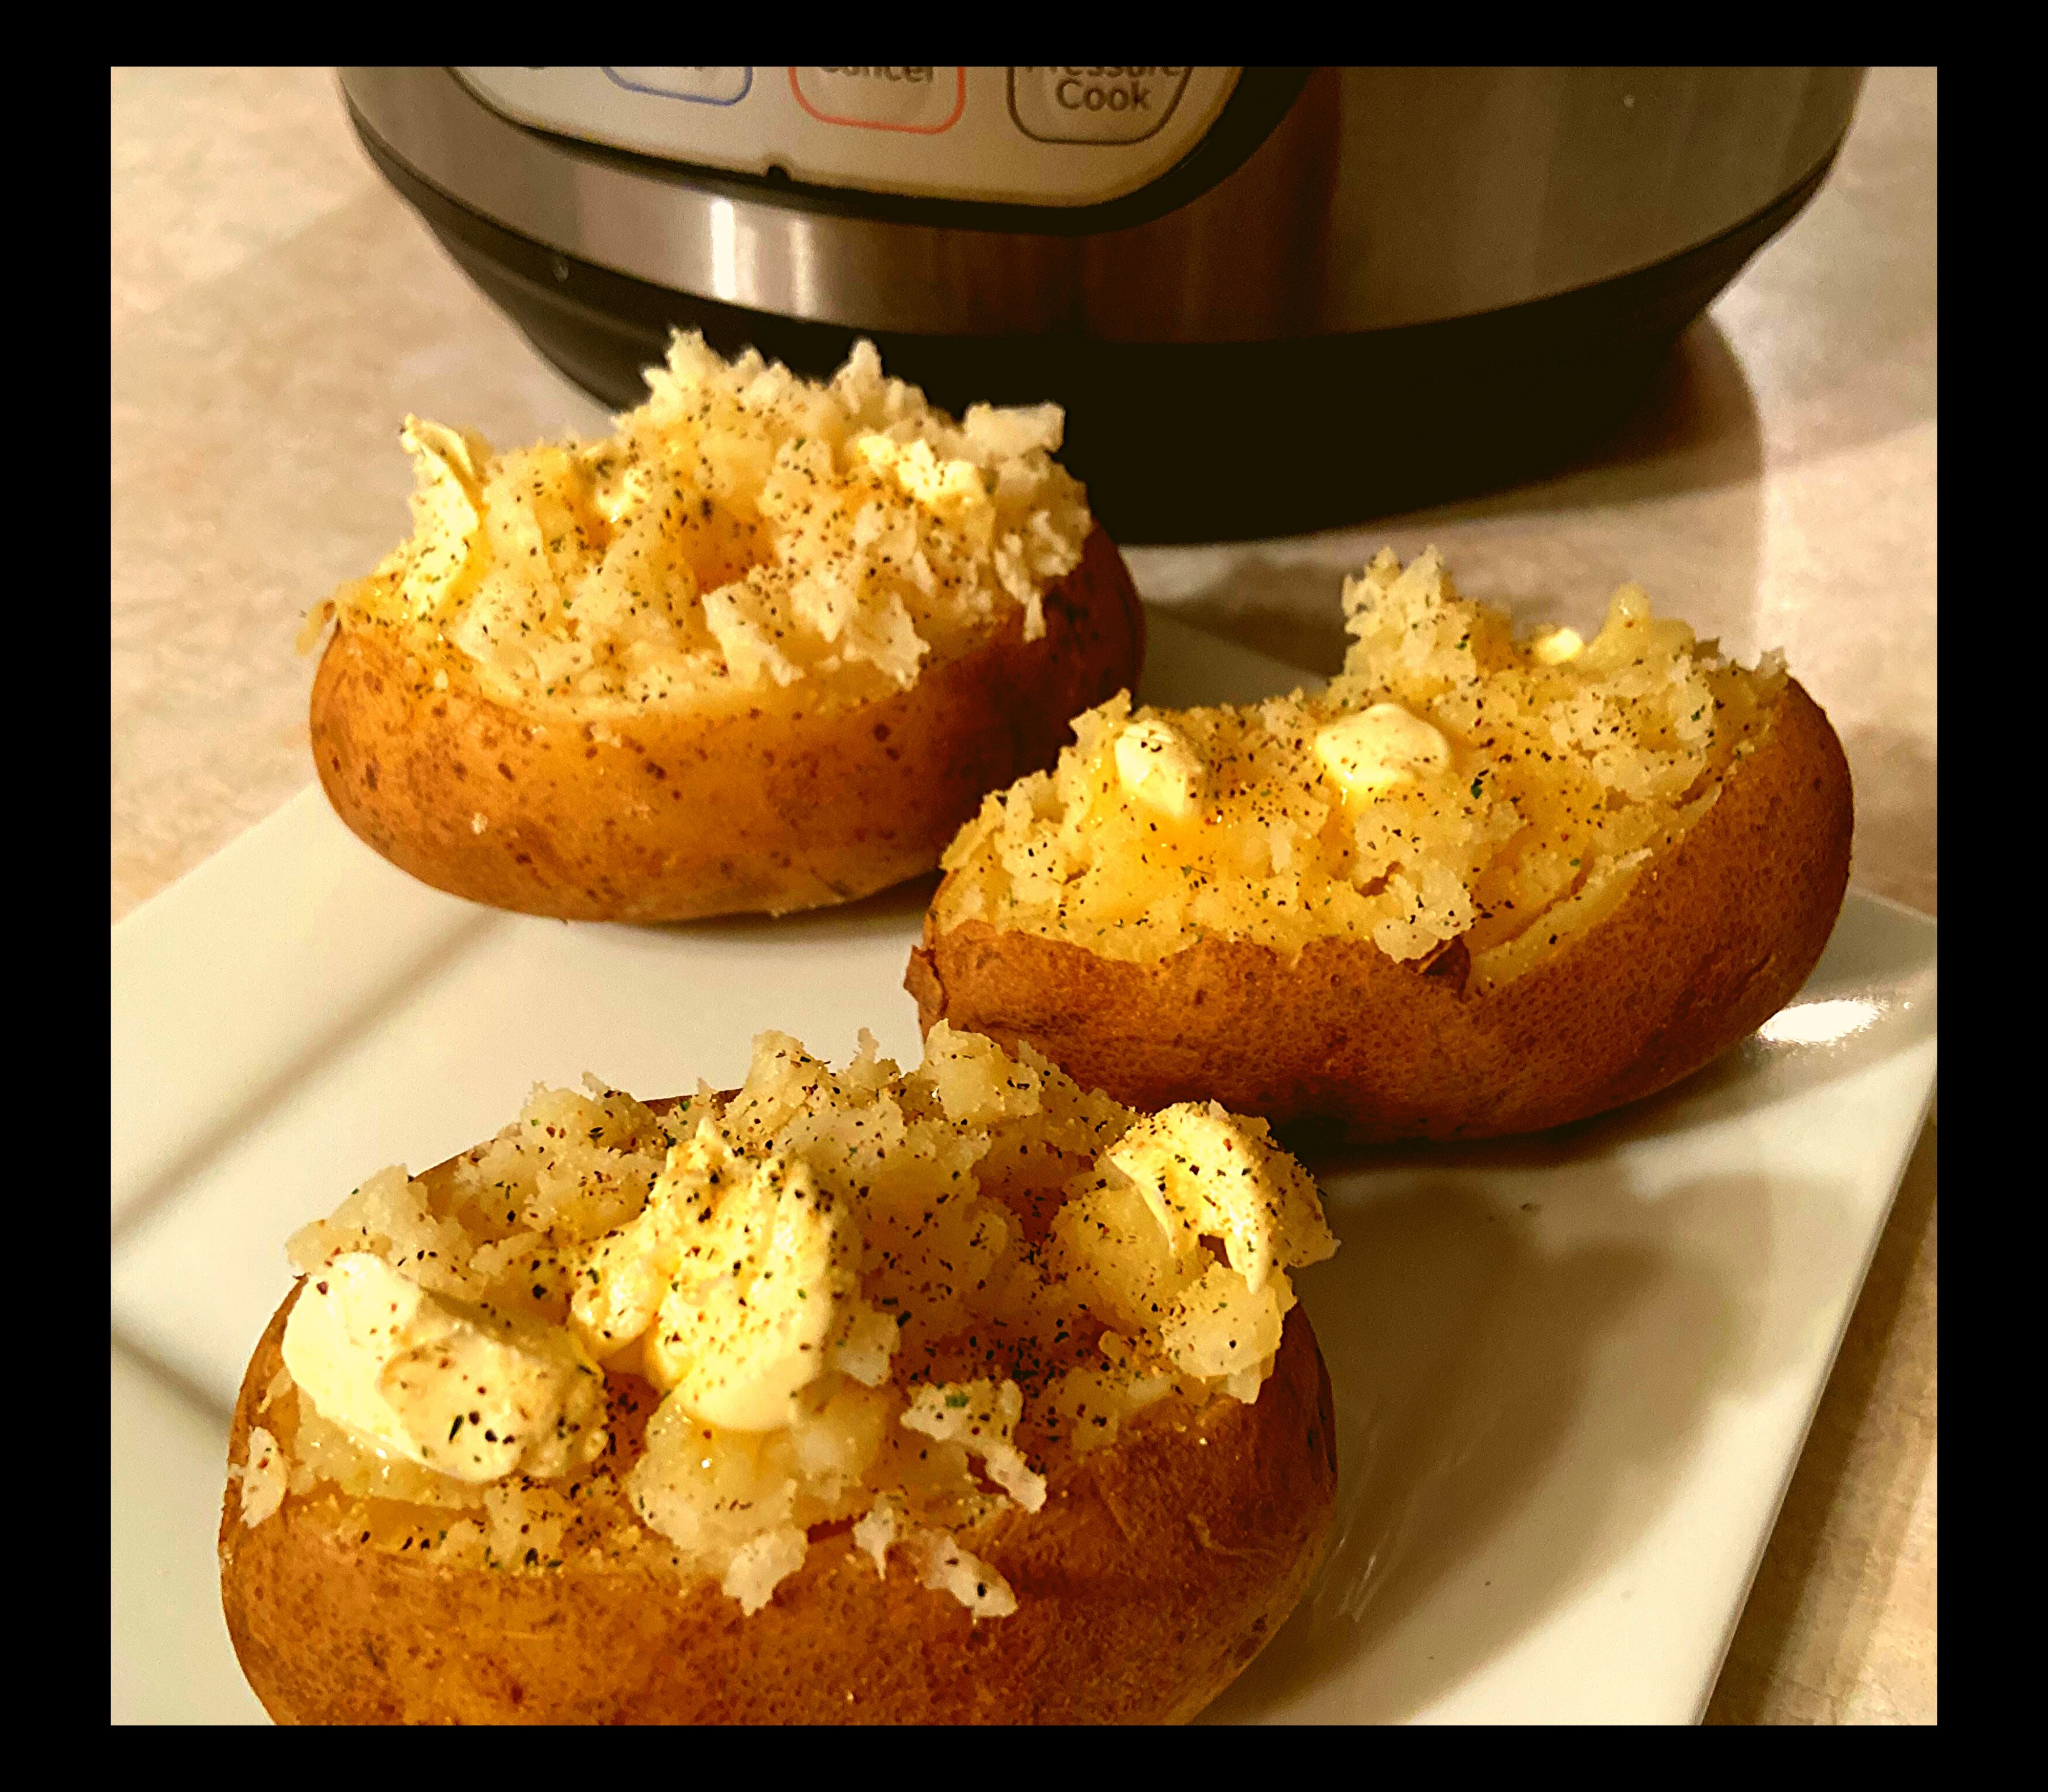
1343	1042
781	809
1158	1568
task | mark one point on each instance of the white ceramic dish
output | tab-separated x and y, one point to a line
1573	1374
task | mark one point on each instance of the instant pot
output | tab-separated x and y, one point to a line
1269	299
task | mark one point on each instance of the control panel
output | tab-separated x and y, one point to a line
1032	136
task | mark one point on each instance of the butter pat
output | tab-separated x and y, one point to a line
1367	754
746	1280
474	1395
1159	765
1556	646
1206	1172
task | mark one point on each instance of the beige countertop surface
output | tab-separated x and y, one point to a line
277	309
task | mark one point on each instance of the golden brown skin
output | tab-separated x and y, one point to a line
775	810
1157	1569
1714	938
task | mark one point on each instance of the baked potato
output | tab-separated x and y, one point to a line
764	649
847	1397
1477	887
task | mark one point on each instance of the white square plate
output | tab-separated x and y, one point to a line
1573	1373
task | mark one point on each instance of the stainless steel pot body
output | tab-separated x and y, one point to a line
1380	197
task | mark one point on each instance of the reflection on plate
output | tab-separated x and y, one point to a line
1573	1373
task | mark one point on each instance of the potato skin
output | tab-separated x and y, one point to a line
1342	1043
1158	1568
776	809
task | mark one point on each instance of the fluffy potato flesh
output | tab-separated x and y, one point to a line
1477	884
852	1304
1451	784
743	529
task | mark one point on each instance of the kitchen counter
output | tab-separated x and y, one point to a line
276	310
